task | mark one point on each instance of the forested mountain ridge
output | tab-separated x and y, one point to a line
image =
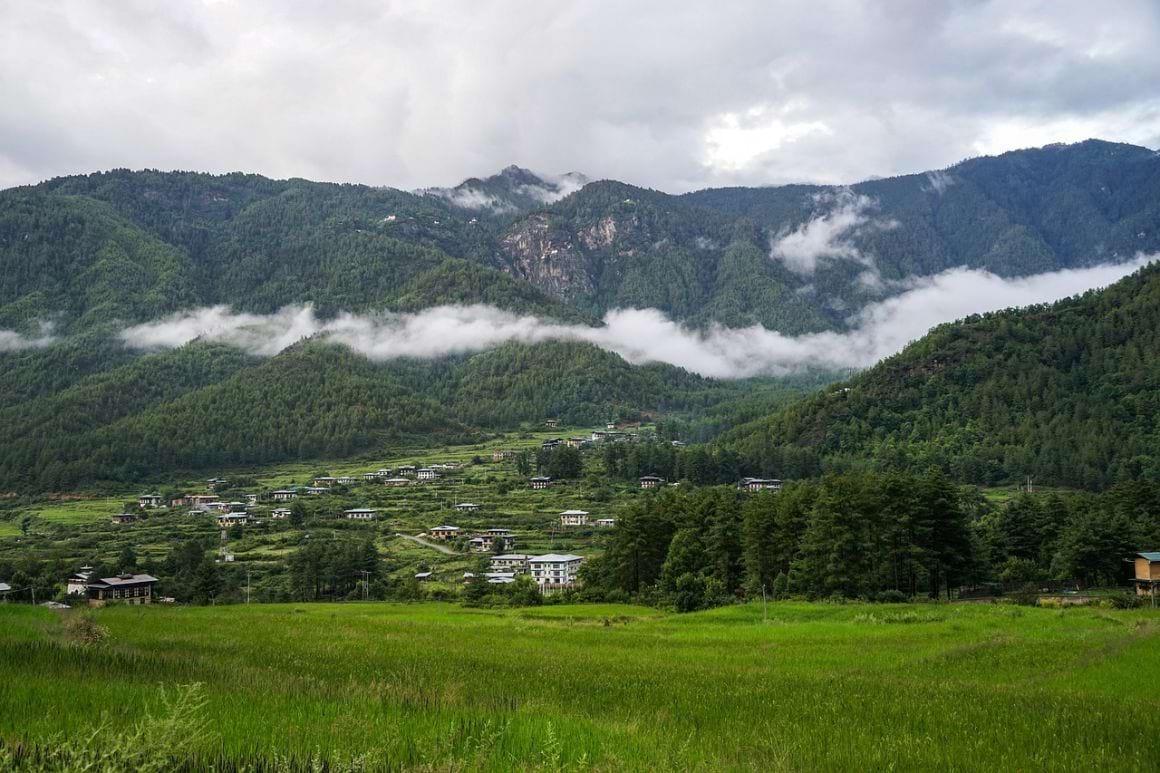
1022	212
1066	394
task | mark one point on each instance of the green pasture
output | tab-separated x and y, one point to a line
440	687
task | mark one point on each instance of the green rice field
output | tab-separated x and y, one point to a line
440	687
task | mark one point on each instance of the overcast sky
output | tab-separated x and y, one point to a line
673	95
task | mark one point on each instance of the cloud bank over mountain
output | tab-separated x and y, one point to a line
639	335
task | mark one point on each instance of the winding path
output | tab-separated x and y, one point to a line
425	543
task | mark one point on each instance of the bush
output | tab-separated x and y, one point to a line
82	629
891	597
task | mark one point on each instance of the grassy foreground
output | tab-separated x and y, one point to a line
436	686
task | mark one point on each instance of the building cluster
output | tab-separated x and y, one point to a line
552	572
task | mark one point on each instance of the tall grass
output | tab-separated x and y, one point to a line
393	687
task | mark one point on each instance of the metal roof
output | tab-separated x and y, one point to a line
1152	556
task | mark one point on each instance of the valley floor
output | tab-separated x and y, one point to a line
438	686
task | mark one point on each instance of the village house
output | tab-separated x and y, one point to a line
540	482
577	442
444	532
552	423
552	443
384	472
503	455
650	481
759	484
1147	573
424	576
467	507
150	500
5	589
251	499
427	473
124	588
284	495
406	469
346	480
213	484
371	477
360	514
605	523
315	491
513	562
323	480
226	520
397	482
280	513
123	518
554	572
76	583
485	542
574	518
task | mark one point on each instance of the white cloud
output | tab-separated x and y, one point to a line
639	335
11	341
827	236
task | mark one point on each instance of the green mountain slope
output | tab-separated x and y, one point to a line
1066	394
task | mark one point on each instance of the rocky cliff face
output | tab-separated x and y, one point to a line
552	257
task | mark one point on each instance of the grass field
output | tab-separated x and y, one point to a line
440	687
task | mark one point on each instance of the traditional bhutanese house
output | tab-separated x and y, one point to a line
424	576
226	520
236	507
605	523
384	472
5	589
650	481
360	514
492	578
484	542
503	455
1147	573
577	442
553	571
280	513
397	482
427	473
371	477
346	480
574	518
467	507
215	483
480	543
76	583
149	500
444	532
283	495
552	423
124	588
323	480
181	501
406	469
552	443
218	506
514	562
251	499
540	482
315	491
759	484
123	518
499	531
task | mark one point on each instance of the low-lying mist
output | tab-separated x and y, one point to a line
638	335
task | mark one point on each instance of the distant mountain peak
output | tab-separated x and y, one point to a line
513	189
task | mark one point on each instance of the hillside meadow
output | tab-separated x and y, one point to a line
441	687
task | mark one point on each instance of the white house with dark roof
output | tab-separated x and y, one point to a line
284	495
540	482
226	520
426	473
605	523
396	482
759	484
467	507
444	532
360	514
280	513
650	481
150	500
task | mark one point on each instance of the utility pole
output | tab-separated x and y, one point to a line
764	606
